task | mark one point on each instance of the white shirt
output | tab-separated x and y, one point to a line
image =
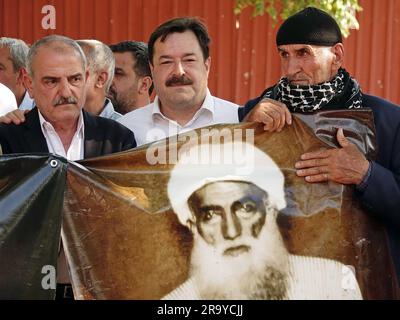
149	124
7	100
54	144
109	111
27	103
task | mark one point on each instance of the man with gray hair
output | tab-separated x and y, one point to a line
13	54
229	195
56	79
101	64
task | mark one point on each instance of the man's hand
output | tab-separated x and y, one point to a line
15	116
273	114
346	165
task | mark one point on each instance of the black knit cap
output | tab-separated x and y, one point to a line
309	26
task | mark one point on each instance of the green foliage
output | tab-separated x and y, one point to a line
344	11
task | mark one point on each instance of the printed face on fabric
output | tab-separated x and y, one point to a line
228	213
238	251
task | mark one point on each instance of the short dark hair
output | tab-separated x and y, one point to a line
140	54
181	25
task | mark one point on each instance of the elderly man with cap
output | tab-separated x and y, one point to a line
311	51
230	205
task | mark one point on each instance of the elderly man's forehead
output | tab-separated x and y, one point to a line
300	46
58	47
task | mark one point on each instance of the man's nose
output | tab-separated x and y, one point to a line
179	69
65	88
231	227
293	67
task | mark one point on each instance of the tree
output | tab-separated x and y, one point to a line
344	11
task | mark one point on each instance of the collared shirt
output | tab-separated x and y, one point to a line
149	124
109	111
27	103
54	144
7	100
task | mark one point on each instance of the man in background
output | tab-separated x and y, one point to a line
132	85
13	54
101	65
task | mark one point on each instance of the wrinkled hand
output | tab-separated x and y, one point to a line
15	116
346	165
273	114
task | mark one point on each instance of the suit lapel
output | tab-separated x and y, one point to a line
33	136
93	141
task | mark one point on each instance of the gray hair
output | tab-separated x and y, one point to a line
60	43
18	51
100	58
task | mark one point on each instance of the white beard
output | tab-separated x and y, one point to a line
261	273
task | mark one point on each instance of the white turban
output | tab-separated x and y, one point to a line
232	161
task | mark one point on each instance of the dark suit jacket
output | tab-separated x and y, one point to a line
102	136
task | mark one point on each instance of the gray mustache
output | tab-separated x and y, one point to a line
63	100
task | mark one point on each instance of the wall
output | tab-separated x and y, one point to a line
244	58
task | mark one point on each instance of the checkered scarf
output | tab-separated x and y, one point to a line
305	99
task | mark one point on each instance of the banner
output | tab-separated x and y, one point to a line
280	238
215	213
31	199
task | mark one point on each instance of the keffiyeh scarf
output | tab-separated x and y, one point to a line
305	99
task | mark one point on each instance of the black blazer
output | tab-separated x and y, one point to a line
102	136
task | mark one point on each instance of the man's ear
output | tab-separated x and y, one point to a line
144	85
86	75
338	51
21	75
28	84
101	79
207	62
